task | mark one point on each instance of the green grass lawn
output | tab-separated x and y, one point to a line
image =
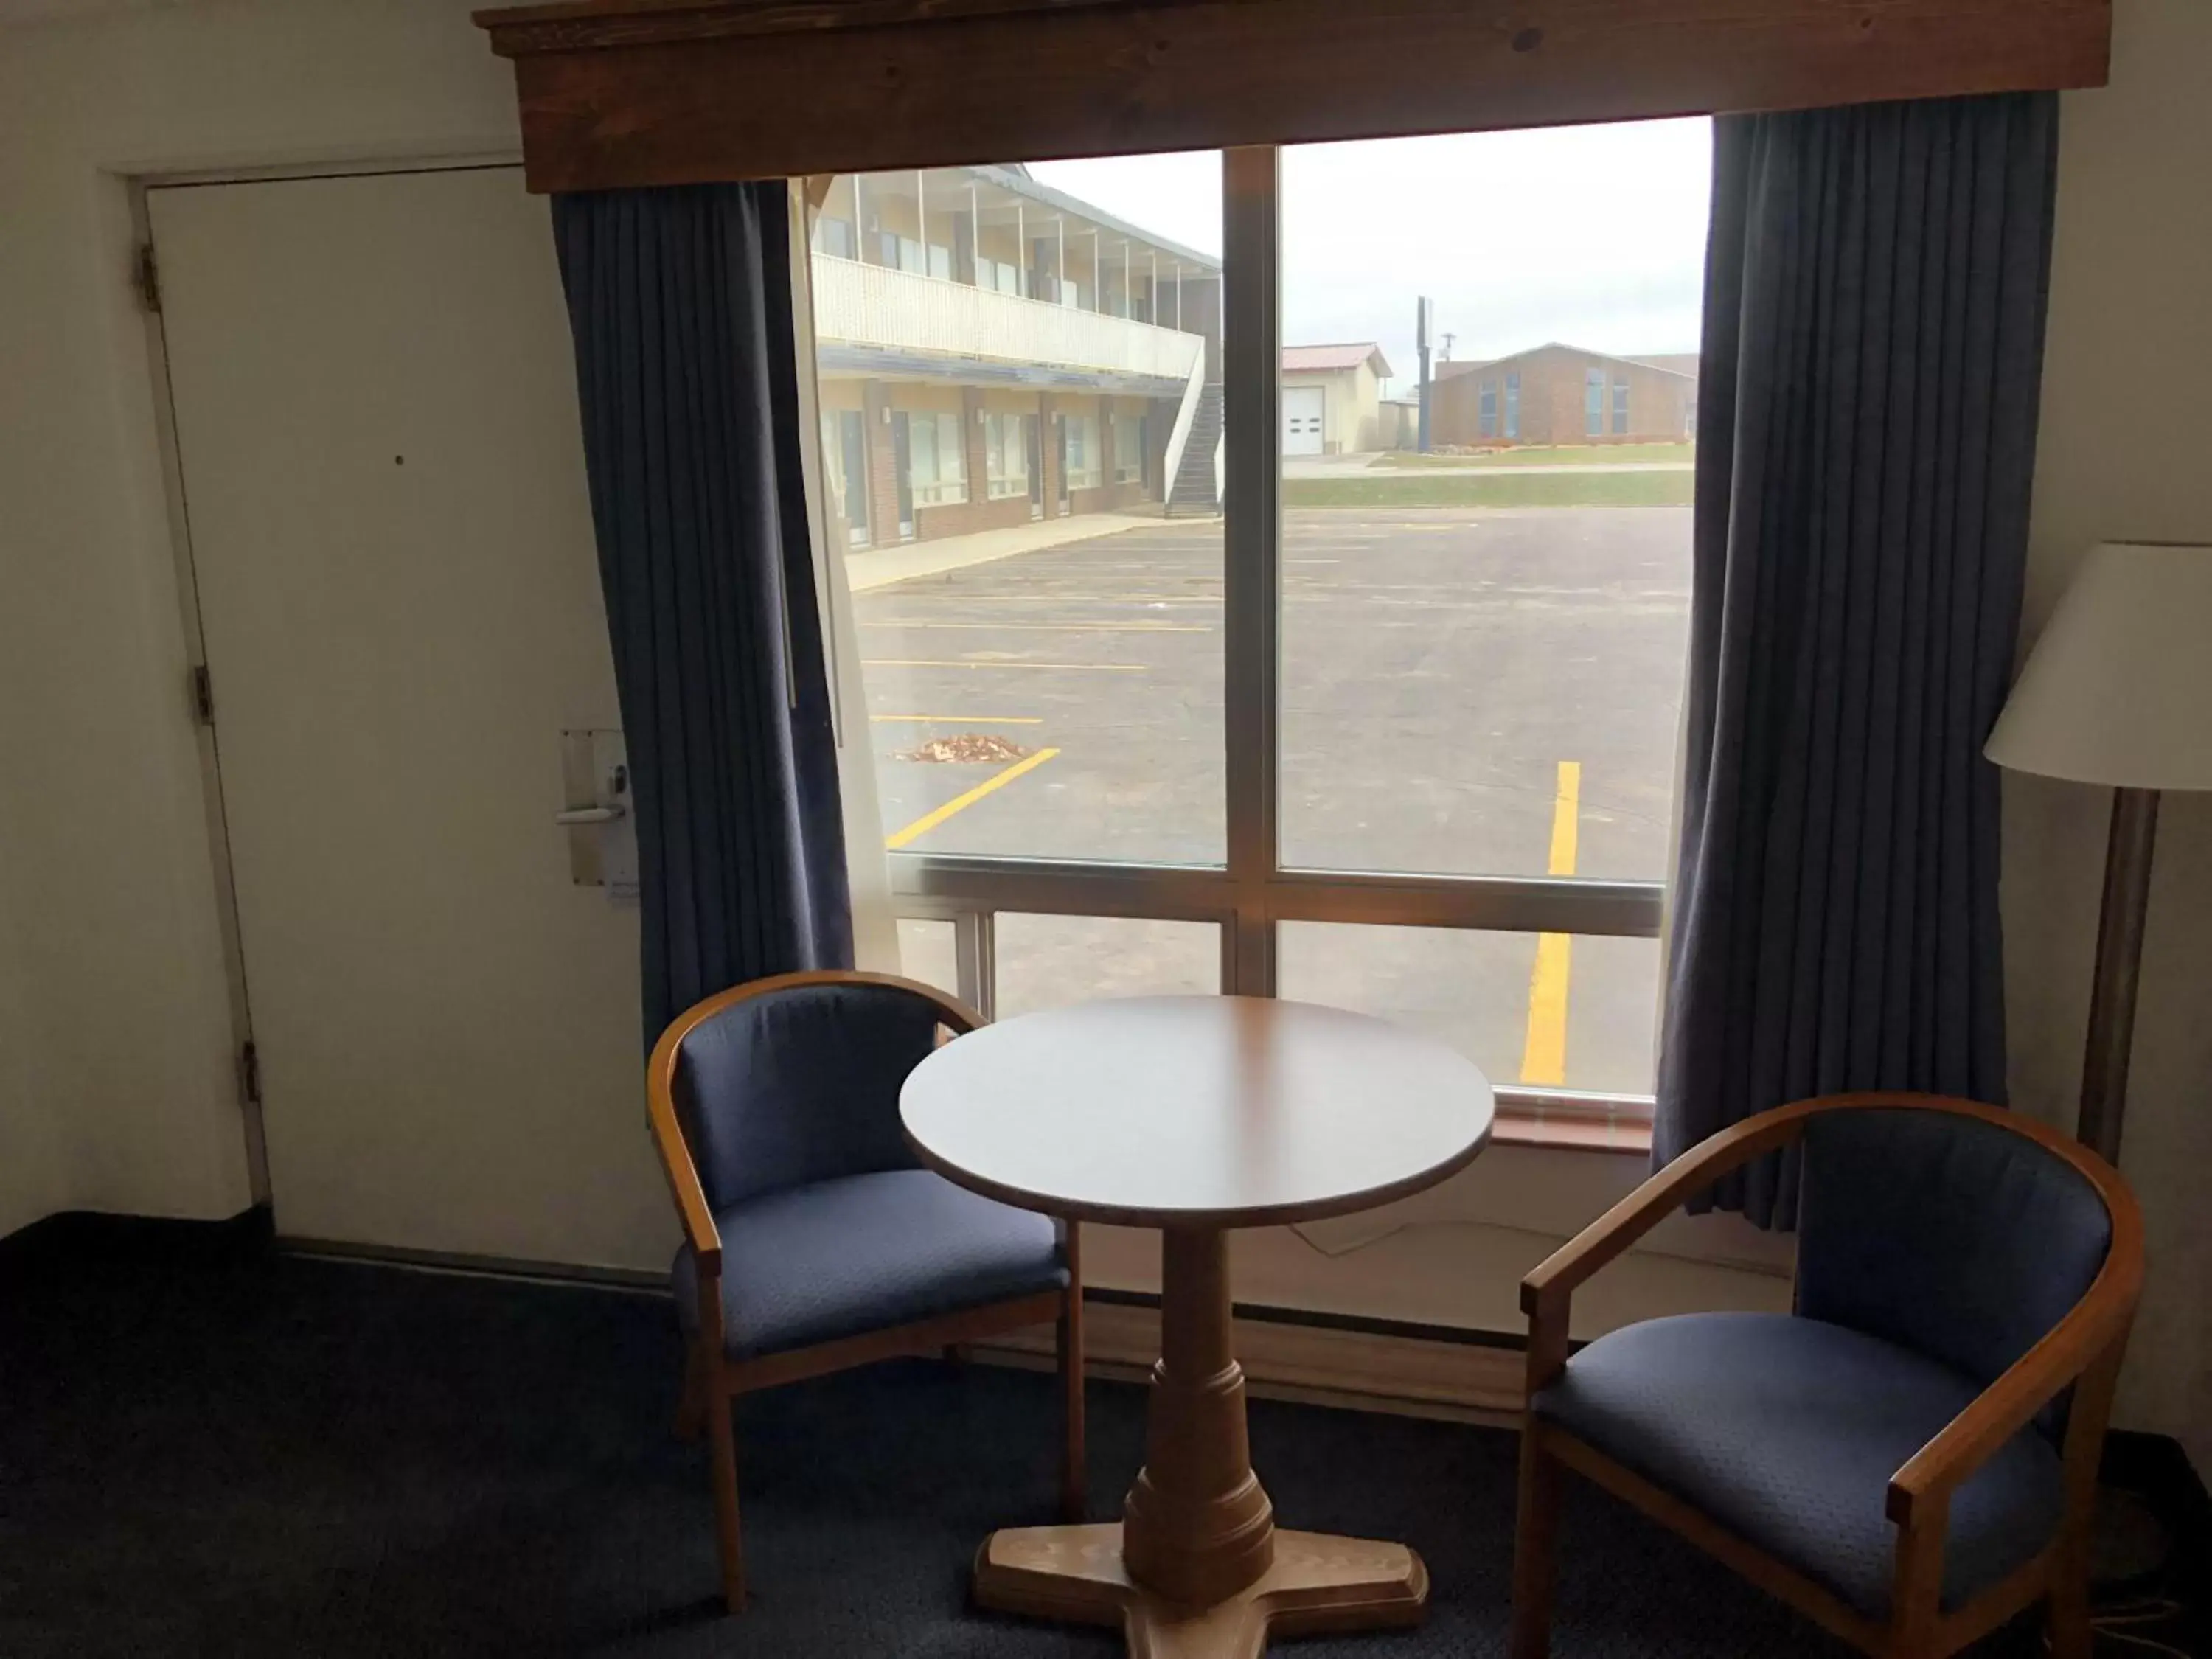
1562	455
1508	489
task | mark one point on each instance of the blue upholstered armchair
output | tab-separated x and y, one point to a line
813	1239
1911	1456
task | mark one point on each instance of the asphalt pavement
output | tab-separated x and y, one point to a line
1463	691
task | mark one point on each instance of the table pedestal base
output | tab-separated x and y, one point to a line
1316	1585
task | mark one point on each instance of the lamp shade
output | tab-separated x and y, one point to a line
2118	689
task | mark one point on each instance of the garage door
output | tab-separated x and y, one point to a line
1301	413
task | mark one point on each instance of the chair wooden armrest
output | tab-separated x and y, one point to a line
1549	1288
699	1228
2093	1334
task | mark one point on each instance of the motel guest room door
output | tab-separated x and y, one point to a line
375	418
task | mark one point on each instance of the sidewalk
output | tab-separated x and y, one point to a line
1373	466
871	568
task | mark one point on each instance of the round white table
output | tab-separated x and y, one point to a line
1195	1115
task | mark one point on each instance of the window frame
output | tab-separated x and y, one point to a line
1128	468
1004	437
937	489
1091	475
1253	890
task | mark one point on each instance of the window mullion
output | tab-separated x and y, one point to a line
1251	336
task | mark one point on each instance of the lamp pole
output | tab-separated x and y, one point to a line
2120	925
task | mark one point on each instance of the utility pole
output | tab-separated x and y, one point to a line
1448	337
1424	310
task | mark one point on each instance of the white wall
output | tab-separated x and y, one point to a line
114	1038
2126	452
124	1062
34	1181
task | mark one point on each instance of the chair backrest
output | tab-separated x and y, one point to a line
1950	1235
801	1084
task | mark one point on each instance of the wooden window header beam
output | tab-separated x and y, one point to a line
618	93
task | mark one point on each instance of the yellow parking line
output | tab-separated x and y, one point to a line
924	662
929	821
1544	1051
961	720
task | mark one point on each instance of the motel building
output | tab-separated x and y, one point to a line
992	351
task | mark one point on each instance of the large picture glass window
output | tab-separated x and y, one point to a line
1390	730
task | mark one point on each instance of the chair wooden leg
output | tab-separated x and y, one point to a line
1535	1548
723	1472
1073	1457
1915	1597
691	1405
2067	1613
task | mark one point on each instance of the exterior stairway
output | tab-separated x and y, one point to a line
1192	489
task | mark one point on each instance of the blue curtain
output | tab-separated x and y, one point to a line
679	300
1874	298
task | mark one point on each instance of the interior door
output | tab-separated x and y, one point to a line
376	418
1302	407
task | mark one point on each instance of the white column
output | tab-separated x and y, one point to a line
975	238
1022	249
922	220
1155	280
1060	257
1098	288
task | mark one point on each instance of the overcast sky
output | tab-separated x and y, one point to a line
1591	235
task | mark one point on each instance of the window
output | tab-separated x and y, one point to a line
835	237
1620	408
903	253
1005	457
1063	706
1594	403
1085	465
940	262
1128	448
1398	737
938	465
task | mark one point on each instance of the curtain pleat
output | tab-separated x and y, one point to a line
1876	289
679	302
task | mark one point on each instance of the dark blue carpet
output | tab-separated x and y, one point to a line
290	1458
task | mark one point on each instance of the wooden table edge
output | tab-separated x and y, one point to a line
1182	1220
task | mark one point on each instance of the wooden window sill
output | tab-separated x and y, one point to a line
1522	1127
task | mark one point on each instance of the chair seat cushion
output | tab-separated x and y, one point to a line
1786	1431
837	1258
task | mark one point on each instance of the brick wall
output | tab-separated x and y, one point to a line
883	465
1553	411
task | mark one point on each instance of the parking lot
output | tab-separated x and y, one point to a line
1474	691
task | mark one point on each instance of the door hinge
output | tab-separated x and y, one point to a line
249	1075
203	694
147	278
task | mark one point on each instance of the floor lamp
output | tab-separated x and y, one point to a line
2118	691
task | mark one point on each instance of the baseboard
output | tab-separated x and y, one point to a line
1315	1358
80	1236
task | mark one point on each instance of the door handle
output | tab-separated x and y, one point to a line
591	814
